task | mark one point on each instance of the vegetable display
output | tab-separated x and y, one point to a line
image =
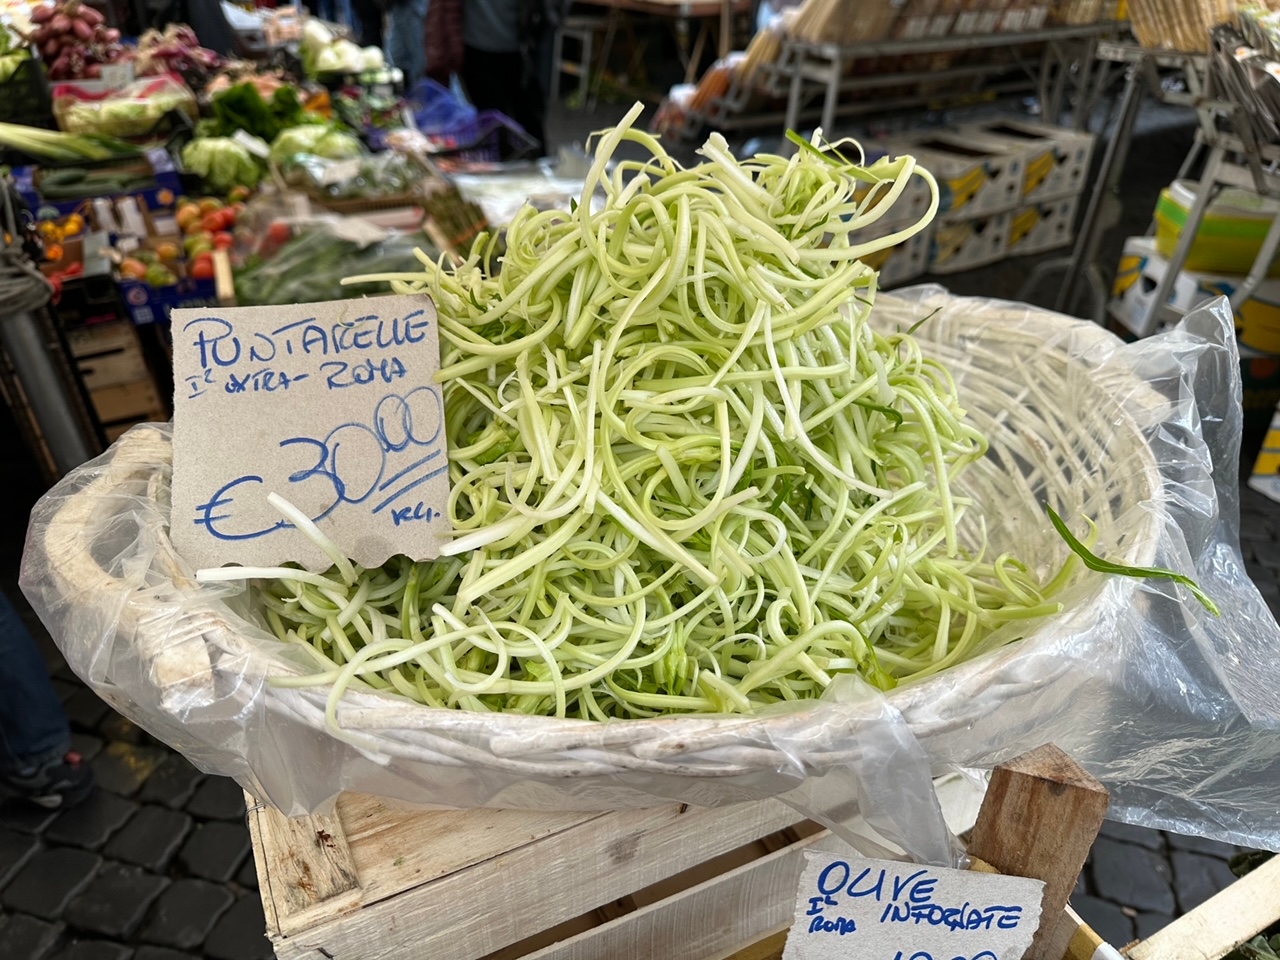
687	475
74	40
12	54
221	162
53	145
316	140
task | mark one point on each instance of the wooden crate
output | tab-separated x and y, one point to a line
672	882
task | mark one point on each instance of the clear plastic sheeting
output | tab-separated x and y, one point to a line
1174	709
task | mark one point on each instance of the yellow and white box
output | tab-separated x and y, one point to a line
902	262
1141	268
1038	227
1265	477
961	244
1055	161
973	180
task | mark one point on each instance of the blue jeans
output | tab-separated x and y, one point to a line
406	43
33	726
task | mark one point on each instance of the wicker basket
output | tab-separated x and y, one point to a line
1063	429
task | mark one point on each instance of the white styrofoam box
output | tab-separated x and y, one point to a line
1055	160
973	179
1141	268
961	244
903	262
913	203
1038	227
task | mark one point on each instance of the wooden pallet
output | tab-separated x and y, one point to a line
682	883
378	882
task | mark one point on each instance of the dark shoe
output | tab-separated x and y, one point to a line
55	786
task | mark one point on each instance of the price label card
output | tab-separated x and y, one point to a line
851	908
332	406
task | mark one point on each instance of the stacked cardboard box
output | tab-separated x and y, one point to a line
1007	188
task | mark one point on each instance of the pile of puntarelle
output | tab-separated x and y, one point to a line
687	475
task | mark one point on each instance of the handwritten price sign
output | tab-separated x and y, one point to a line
850	907
333	406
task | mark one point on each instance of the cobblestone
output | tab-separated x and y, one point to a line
15	850
90	824
1149	923
214	850
248	875
1107	919
25	817
26	937
218	798
241	933
117	729
161	953
85	709
1131	875
185	913
1196	878
123	767
1212	848
1127	833
87	745
151	838
50	879
93	950
114	904
173	782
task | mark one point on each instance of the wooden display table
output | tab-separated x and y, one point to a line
672	883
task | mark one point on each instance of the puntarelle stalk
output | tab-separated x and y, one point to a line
687	475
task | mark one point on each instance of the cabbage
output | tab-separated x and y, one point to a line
342	57
315	139
221	162
373	58
315	36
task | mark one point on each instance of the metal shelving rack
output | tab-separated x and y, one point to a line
1237	137
806	72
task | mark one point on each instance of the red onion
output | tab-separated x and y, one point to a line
82	29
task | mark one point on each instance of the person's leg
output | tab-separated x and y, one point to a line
405	46
488	79
497	81
35	737
366	22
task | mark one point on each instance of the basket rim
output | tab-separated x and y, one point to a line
145	452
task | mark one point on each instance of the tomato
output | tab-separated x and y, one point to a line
73	269
210	204
223	241
198	242
279	232
201	269
188	217
168	251
133	269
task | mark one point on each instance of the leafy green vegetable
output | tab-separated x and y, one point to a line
1098	565
242	107
221	162
320	141
53	145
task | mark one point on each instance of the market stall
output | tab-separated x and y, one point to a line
609	509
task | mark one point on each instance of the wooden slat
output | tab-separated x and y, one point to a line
399	848
1039	819
305	870
531	885
704	921
1221	923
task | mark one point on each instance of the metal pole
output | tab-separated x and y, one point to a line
21	338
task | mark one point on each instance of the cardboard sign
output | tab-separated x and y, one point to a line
859	909
332	406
